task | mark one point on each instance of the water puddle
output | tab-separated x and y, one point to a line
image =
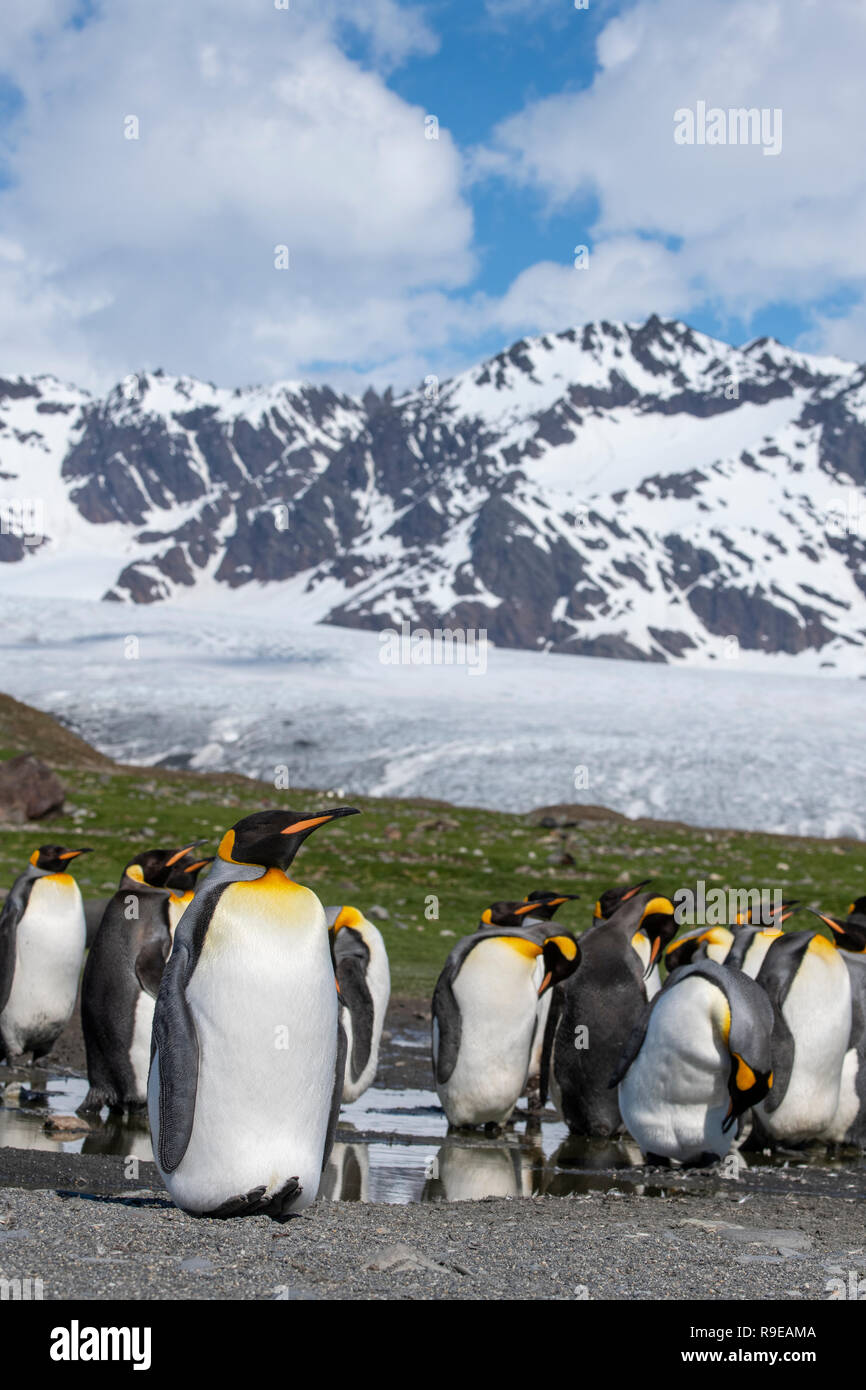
393	1146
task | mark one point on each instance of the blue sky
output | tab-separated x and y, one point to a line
261	127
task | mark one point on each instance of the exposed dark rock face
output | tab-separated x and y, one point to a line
617	490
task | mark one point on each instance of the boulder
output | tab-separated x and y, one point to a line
28	789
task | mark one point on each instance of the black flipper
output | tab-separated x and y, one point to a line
175	1048
356	996
174	1044
446	1017
13	910
547	1046
775	977
337	1093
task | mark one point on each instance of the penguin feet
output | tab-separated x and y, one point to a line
657	1161
252	1203
95	1099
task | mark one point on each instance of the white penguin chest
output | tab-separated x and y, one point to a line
49	946
264	1001
817	1010
675	1096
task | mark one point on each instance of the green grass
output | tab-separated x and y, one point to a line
399	853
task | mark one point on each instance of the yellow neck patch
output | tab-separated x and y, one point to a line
348	917
565	945
524	948
655	905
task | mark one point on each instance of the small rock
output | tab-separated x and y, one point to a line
28	789
380	913
66	1124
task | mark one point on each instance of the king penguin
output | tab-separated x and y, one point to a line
697	1060
42	940
485	1017
848	1125
123	971
809	986
364	979
593	1013
742	945
248	1055
539	906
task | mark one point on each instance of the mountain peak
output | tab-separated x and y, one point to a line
636	490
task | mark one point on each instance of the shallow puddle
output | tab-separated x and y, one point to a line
394	1146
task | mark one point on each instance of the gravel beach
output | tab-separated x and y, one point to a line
132	1244
92	1226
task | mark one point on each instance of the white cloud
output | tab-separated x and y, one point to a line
255	130
754	230
626	278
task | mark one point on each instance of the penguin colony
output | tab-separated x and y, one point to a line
241	1014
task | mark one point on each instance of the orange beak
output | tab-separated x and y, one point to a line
181	852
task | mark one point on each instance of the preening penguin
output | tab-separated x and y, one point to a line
697	1060
42	940
539	906
809	986
593	1013
848	1125
247	1065
485	1017
123	971
361	965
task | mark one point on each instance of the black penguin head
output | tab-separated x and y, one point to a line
692	946
858	908
273	838
508	914
54	859
849	933
181	878
156	866
545	902
561	959
614	898
659	925
787	908
748	1084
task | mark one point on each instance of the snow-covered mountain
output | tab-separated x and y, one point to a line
638	491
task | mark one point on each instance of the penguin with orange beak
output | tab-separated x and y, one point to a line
42	940
485	1017
248	1055
123	971
592	1014
541	905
